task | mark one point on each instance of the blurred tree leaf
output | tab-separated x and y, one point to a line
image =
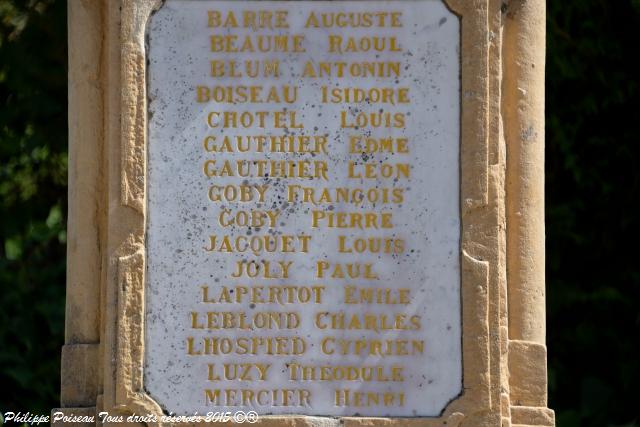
33	169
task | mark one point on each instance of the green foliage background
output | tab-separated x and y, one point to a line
593	179
33	174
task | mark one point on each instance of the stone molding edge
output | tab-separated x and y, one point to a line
129	395
81	349
523	104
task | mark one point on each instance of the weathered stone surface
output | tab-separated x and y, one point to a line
537	416
79	390
528	370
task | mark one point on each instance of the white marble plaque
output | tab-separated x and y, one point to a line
303	235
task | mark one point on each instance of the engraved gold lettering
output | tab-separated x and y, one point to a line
313	69
352	120
256	20
375	170
365	145
259	397
347	195
263	43
251	119
263	269
366	373
374	245
367	295
362	221
254	69
347	397
373	347
238	193
238	372
341	44
299	169
367	321
345	271
356	95
251	218
304	144
254	345
354	20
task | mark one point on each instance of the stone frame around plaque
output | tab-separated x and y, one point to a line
504	356
477	220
